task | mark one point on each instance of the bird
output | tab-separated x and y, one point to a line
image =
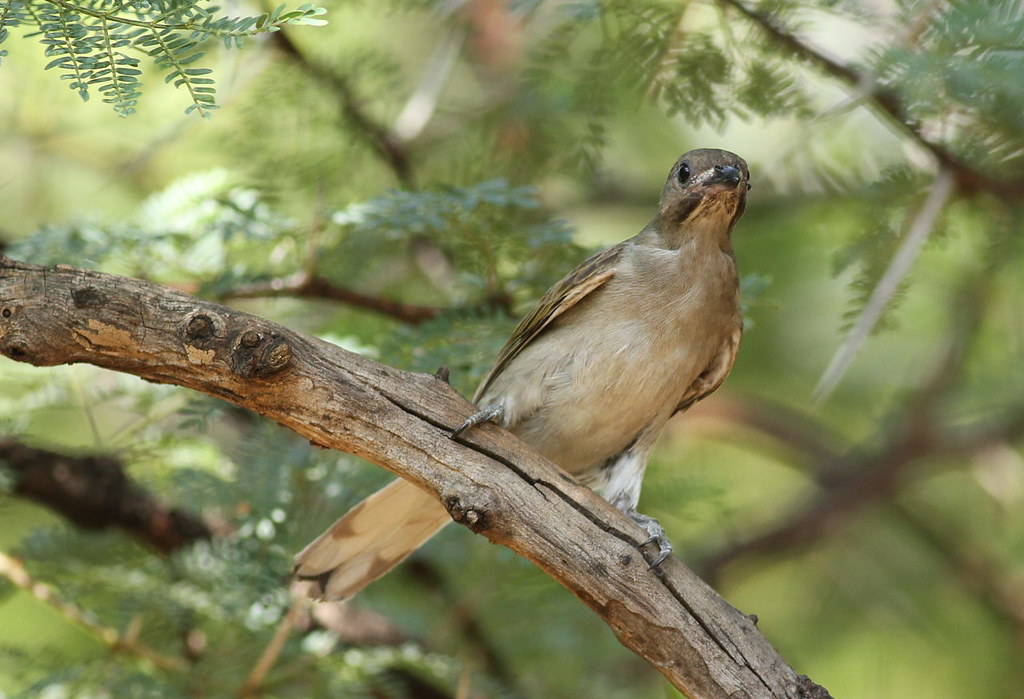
633	335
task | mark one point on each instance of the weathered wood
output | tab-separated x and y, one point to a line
489	480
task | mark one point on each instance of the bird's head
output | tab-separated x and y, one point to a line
706	188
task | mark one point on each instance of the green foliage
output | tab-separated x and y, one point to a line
965	66
602	48
491	230
203	227
271	494
92	42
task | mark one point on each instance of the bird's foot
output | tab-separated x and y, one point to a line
657	535
491	413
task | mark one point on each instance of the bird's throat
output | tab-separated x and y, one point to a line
708	227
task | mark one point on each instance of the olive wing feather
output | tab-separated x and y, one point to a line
588	276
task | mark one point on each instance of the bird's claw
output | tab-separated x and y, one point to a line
657	535
488	414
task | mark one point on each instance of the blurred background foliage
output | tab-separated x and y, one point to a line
405	181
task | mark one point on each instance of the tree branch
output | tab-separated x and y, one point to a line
94	492
489	481
303	285
852	481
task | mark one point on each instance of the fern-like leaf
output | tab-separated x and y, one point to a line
90	42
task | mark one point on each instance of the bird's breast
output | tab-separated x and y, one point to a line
616	365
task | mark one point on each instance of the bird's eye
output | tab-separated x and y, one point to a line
684	173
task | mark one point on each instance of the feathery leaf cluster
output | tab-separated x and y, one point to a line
962	76
97	44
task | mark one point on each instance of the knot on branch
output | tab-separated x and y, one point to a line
88	297
13	344
472	517
200	329
260	354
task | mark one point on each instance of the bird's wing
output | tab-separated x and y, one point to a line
570	290
712	377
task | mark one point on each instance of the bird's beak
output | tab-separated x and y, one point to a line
726	175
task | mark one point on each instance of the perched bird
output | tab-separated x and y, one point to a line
633	335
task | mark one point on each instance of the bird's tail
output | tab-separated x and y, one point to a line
371	539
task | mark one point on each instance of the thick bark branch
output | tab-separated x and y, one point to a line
489	481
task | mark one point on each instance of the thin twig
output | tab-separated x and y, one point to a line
304	286
271	653
920	228
385	143
13	570
422	104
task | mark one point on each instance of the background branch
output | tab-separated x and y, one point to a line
94	492
13	570
853	482
381	139
303	285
